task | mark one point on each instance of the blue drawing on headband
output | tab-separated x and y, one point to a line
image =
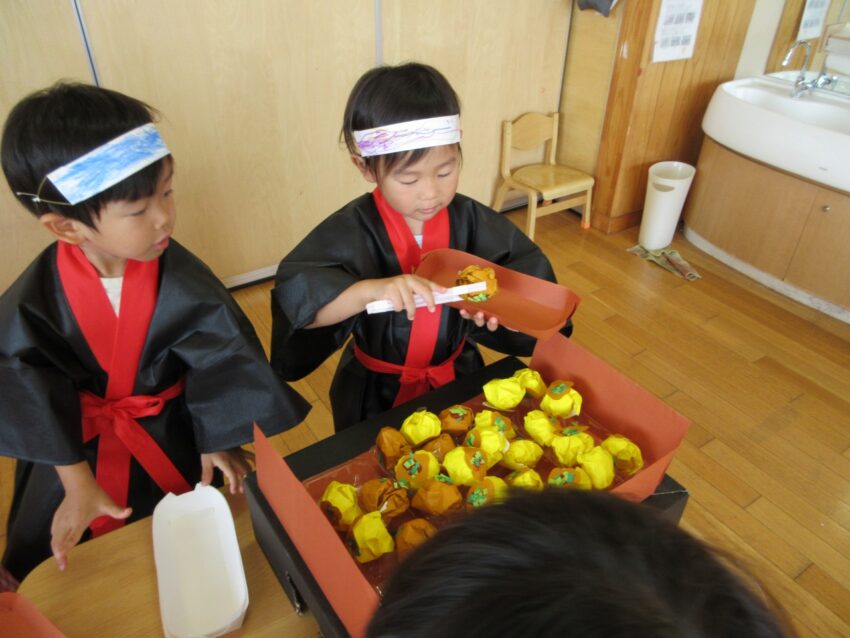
109	164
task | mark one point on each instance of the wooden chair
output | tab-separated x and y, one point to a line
560	187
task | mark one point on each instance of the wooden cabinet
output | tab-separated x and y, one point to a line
821	263
749	210
791	229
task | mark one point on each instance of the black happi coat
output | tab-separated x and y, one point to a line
352	245
197	332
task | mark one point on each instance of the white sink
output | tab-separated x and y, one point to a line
808	136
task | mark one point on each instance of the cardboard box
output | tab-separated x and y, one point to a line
610	398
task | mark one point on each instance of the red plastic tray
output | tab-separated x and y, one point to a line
530	305
20	618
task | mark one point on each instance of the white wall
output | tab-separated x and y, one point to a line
759	40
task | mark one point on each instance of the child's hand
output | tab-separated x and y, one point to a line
84	501
400	290
233	463
480	320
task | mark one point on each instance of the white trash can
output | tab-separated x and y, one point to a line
665	195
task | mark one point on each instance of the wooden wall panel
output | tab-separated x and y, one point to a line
39	44
630	60
672	98
502	57
591	53
657	108
252	95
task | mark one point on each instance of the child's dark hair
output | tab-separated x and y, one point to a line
57	125
392	94
570	563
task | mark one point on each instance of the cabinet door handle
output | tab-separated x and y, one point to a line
826	208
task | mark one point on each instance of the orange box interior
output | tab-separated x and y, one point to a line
610	398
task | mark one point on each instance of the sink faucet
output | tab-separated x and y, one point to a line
801	87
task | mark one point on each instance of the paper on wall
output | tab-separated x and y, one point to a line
676	30
811	23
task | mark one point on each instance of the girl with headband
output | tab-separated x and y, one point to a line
402	127
127	369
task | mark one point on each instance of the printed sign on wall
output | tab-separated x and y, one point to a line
814	15
676	31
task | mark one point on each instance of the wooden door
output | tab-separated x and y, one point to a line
821	263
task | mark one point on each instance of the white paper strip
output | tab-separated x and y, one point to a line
408	136
452	294
109	164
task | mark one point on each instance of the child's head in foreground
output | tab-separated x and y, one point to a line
402	128
569	563
116	203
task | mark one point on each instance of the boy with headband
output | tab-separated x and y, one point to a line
127	369
402	127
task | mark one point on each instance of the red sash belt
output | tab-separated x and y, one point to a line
414	381
117	343
122	437
417	377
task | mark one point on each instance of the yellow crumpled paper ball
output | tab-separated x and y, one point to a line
522	454
531	381
570	477
412	470
496	420
567	448
465	465
490	489
488	439
339	503
561	399
504	394
541	427
528	479
421	426
599	464
370	538
627	456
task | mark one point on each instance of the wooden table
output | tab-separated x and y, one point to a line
109	587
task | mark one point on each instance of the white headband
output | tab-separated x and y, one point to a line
107	165
408	136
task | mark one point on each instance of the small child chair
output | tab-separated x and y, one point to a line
549	181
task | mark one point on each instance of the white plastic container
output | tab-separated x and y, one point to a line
666	191
199	572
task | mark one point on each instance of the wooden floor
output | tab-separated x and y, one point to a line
765	381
